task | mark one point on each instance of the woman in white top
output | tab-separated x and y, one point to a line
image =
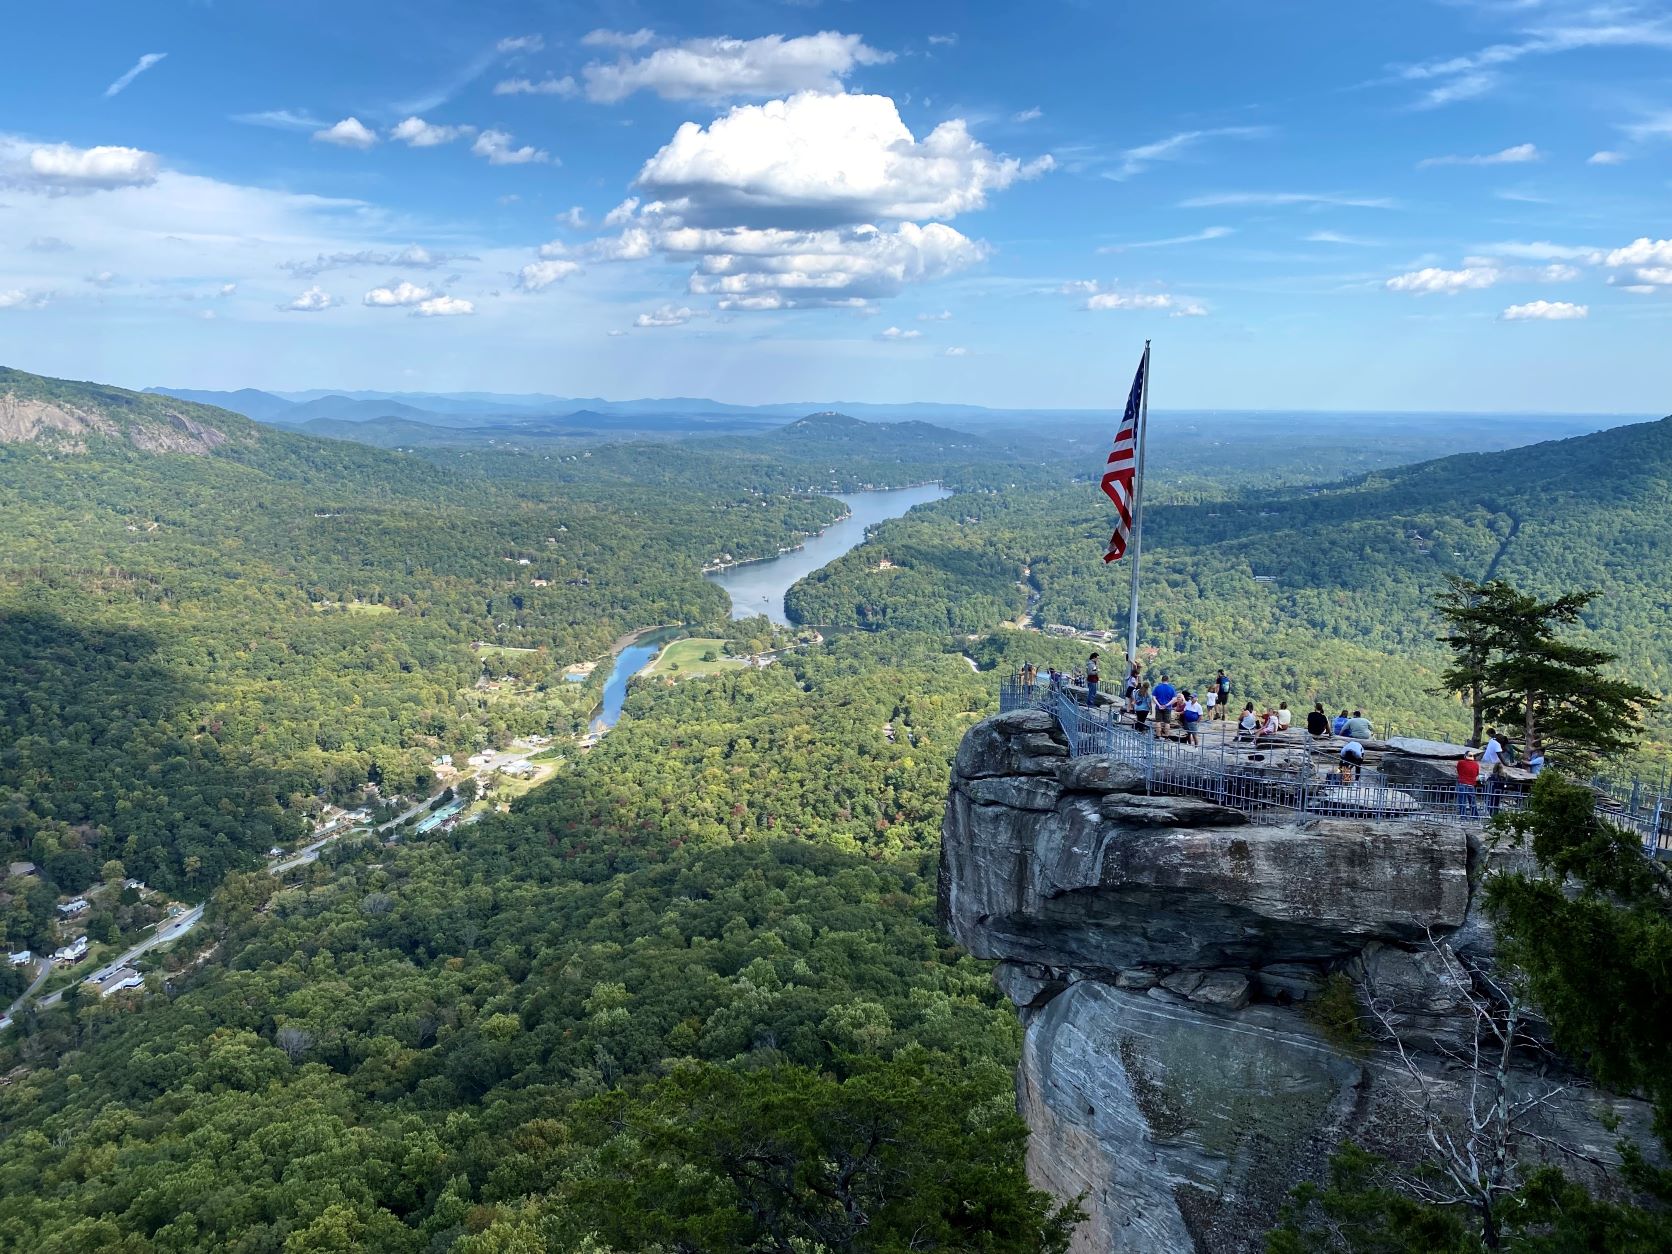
1192	716
1284	718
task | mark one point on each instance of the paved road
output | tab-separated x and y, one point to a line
171	930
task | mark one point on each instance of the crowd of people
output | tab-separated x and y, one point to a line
1166	710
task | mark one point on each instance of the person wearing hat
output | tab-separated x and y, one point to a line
1468	785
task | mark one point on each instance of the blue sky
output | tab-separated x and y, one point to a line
1426	205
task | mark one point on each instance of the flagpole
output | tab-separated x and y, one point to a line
1138	516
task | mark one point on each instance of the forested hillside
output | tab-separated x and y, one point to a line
201	641
1304	593
457	1042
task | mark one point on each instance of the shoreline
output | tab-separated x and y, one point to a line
814	535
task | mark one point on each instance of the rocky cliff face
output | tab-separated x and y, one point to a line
1162	953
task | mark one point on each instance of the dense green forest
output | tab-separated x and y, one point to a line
1314	593
199	644
574	1026
429	1045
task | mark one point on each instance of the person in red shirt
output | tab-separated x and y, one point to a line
1468	784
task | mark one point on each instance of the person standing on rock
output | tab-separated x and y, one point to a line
1093	674
1468	785
1141	705
1128	687
1222	692
1163	694
1191	717
1492	763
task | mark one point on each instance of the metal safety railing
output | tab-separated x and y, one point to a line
1272	779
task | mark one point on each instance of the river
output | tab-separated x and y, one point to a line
759	587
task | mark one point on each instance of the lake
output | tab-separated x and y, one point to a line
759	587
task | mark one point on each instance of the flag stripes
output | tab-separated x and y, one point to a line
1120	472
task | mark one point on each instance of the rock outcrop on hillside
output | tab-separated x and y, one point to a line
1162	952
64	416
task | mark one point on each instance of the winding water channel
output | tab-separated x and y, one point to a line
759	587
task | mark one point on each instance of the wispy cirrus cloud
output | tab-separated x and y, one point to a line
1338	237
282	119
1196	237
1280	200
1175	146
413	256
1474	74
1520	154
139	67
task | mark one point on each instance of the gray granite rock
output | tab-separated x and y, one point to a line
1153	947
1413	747
1100	774
1169	812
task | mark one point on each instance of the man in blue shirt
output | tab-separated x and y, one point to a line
1162	697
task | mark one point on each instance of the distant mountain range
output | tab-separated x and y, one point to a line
541	414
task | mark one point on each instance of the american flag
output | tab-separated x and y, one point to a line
1122	468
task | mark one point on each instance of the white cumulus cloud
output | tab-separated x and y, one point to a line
313	300
1434	279
817	159
1605	157
623	212
63	169
539	275
402	293
798	269
956	351
444	307
421	134
894	333
1547	310
1642	252
1161	302
349	133
496	147
520	43
635	243
723	68
139	67
667	316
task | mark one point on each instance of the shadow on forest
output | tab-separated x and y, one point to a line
101	756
